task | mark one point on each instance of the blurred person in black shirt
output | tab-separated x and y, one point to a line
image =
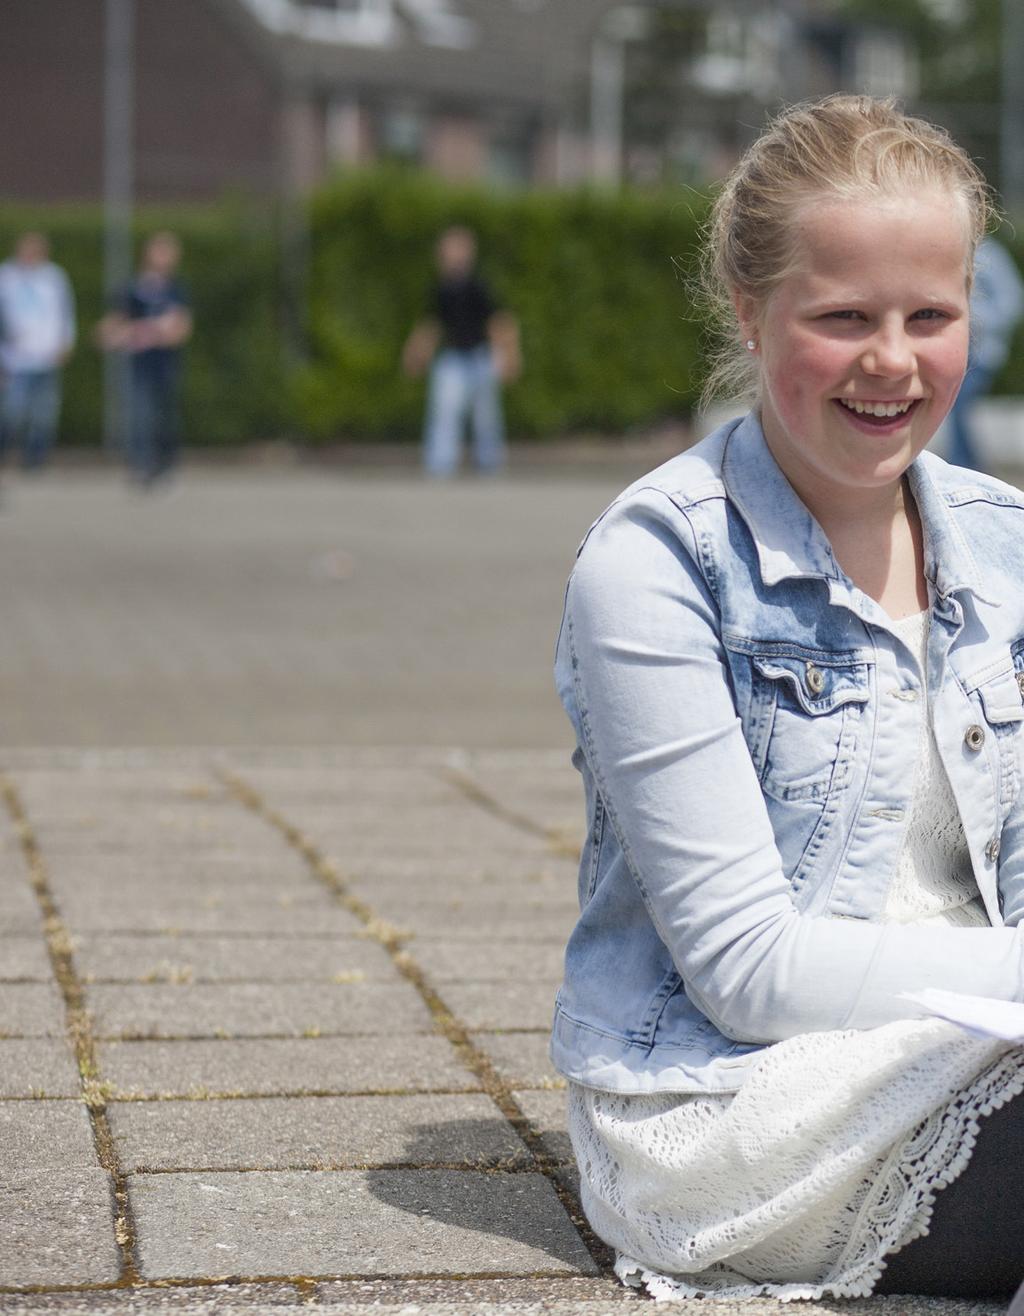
470	346
151	321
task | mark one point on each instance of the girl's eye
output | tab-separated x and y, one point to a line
843	315
929	313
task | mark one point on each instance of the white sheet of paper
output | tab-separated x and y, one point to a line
981	1016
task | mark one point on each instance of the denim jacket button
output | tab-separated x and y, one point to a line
992	850
815	679
974	738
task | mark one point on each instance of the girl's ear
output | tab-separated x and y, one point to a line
746	314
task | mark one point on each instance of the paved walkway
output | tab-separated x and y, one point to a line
273	1020
279	1019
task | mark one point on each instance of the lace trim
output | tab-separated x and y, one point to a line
890	1209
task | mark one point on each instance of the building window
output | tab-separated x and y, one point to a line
510	151
400	134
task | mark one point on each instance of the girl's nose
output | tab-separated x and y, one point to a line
889	354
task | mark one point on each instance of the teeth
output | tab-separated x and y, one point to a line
877	408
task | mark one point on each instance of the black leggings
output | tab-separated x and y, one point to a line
975	1244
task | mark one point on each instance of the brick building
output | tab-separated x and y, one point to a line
265	97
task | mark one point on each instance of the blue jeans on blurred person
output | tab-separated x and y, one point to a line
153	434
962	449
28	415
463	383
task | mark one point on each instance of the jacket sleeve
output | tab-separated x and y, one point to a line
658	724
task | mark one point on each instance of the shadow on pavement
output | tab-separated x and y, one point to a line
516	1206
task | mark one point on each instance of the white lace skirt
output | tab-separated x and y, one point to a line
798	1185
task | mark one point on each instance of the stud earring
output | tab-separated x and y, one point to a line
750	344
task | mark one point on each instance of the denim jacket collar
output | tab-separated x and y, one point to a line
791	543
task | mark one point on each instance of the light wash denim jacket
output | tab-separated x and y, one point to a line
747	725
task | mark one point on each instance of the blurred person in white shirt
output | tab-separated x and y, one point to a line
37	335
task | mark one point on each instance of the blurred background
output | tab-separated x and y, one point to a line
300	583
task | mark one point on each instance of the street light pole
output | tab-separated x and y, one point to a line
118	198
1011	135
607	85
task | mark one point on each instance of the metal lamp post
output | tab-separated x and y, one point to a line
118	199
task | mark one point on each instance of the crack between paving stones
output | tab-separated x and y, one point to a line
306	1285
495	1166
446	1021
310	1035
127	1097
79	1030
555	839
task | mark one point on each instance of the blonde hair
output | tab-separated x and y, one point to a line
842	147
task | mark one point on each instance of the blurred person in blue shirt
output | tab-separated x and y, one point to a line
151	321
997	303
37	335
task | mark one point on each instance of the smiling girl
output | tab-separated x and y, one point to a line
793	658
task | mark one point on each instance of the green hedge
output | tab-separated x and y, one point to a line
597	280
235	384
608	335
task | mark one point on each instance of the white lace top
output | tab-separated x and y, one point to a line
830	1155
933	878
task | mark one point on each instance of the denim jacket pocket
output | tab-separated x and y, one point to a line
1000	691
814	703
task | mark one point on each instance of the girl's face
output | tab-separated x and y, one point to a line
863	345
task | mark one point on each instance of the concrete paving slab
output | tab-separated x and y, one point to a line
453	921
121	816
490	1005
548	791
58	1228
384	867
436	811
68	843
31	1009
42	780
533	892
450	838
507	1296
19	908
520	1058
126	957
476	886
547	1112
514	1292
381	1222
321	779
314	914
488	850
195	893
25	958
183	883
453	1298
45	1135
313	1133
699	1307
180	1300
254	1009
262	1067
37	1067
485	960
240	868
